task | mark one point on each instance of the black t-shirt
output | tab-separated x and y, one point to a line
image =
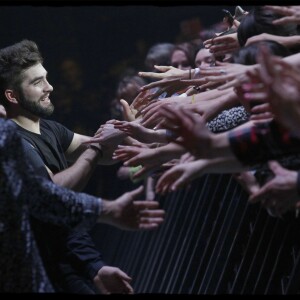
51	144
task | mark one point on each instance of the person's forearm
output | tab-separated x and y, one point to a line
294	59
209	95
77	176
290	41
154	136
219	146
224	102
222	165
169	151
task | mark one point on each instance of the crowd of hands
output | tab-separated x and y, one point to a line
168	137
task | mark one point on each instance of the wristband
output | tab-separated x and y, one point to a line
132	171
97	149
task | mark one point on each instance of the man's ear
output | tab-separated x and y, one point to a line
11	96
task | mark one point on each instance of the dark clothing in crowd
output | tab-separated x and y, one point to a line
263	142
24	195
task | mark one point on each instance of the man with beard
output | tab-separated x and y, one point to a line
70	257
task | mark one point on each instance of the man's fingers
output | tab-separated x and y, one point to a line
146	204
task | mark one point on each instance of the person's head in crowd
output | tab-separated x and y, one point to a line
258	21
183	56
204	58
129	87
160	55
2	111
248	55
23	81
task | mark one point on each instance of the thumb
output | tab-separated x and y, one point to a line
275	166
136	192
127	113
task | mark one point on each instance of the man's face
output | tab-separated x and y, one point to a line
34	92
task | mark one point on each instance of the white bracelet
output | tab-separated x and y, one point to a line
197	71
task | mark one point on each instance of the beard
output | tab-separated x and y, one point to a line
36	108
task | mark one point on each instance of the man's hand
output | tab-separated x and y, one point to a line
127	214
111	280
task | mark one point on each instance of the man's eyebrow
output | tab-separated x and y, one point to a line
37	78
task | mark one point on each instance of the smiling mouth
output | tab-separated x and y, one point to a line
45	99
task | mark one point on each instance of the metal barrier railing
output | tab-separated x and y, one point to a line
212	242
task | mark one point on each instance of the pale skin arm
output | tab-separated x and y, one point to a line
182	174
287	41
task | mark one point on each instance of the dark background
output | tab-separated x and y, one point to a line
98	35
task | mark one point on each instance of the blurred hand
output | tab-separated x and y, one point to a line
129	214
111	280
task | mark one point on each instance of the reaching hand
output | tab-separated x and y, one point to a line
168	72
179	176
129	214
150	114
169	86
191	129
227	74
248	181
291	14
111	280
108	136
282	81
135	130
128	111
223	44
150	159
141	100
280	193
